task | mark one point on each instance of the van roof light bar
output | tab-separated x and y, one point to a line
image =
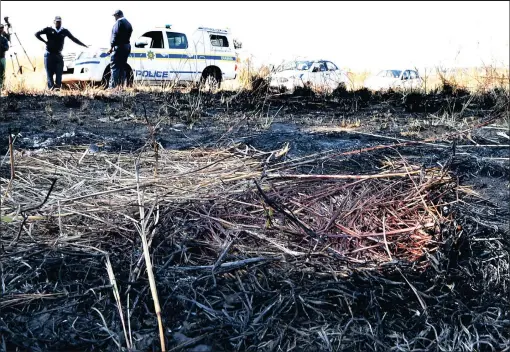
214	30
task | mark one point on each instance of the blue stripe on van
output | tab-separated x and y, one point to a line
86	63
183	56
178	56
184	72
194	57
172	56
152	74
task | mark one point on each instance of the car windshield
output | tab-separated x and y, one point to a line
390	73
297	65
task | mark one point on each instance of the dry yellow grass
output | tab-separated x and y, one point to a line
481	78
28	80
472	79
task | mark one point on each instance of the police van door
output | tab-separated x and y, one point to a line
149	55
181	61
198	50
222	50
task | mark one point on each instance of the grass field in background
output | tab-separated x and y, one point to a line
472	79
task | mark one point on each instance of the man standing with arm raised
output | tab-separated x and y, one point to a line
120	48
53	60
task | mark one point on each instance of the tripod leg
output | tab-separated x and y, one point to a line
13	69
24	51
20	68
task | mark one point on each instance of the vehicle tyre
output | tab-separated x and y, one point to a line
340	90
130	77
211	79
106	78
342	87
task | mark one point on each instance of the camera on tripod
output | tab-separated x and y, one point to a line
20	68
7	24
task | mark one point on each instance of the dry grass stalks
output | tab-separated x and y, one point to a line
237	218
333	213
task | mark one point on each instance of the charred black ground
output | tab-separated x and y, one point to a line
458	303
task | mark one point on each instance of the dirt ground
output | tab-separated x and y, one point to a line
466	286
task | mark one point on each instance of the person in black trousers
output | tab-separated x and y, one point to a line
53	60
5	38
120	49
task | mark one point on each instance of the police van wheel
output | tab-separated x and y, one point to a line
211	83
211	79
106	78
130	77
105	82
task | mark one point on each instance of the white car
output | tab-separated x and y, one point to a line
163	54
317	74
394	79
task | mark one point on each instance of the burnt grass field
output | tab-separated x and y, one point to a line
277	227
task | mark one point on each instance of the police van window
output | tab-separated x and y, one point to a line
156	39
177	40
219	40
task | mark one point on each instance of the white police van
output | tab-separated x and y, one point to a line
162	55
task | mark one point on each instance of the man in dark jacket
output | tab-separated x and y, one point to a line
4	46
53	60
120	48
